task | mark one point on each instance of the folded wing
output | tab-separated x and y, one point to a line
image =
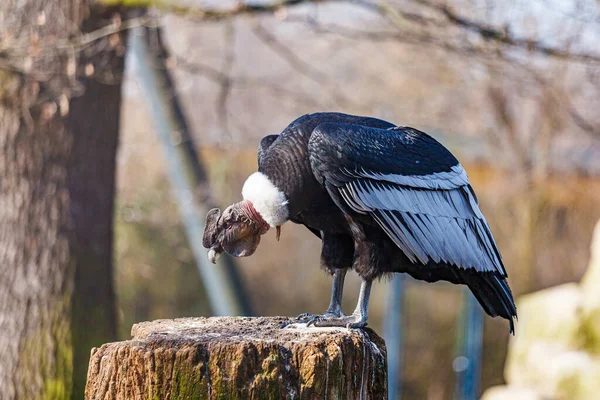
412	186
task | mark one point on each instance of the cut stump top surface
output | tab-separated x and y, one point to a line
239	358
233	330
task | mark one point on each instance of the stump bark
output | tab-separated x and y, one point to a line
239	358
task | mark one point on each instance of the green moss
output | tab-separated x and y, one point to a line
169	6
173	7
569	386
55	389
219	369
335	384
189	382
588	333
56	368
266	381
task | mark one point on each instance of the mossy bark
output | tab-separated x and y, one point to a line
239	358
59	124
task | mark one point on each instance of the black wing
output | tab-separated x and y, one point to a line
414	188
420	195
264	144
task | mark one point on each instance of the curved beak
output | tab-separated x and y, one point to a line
213	256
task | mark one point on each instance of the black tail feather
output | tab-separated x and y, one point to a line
494	295
489	288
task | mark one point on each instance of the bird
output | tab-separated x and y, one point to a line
382	199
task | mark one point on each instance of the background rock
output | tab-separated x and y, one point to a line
555	353
511	393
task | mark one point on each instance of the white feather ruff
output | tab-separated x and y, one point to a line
267	199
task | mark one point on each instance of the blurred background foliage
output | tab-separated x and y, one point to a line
511	87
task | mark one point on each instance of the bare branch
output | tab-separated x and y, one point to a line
200	69
210	14
583	123
289	56
404	36
116	27
243	82
563	100
503	36
226	81
16	56
299	65
406	24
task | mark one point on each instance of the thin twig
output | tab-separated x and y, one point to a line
229	60
300	66
504	36
242	82
289	56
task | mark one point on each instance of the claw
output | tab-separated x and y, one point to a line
303	316
314	319
356	325
285	324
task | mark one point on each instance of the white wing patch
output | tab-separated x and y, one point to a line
427	222
452	179
366	195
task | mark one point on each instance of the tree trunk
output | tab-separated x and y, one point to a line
239	358
59	123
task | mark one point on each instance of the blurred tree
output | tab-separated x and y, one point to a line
60	92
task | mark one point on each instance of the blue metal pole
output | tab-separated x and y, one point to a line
467	364
394	336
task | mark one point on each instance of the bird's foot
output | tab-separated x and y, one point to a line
310	319
304	316
348	321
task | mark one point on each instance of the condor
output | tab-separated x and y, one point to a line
382	198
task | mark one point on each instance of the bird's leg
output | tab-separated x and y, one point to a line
335	305
362	306
358	318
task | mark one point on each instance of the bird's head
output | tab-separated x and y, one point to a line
237	230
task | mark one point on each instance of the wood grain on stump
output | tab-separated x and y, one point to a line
239	358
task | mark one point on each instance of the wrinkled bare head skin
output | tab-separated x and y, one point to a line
237	231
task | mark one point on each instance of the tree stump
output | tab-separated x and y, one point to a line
239	358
